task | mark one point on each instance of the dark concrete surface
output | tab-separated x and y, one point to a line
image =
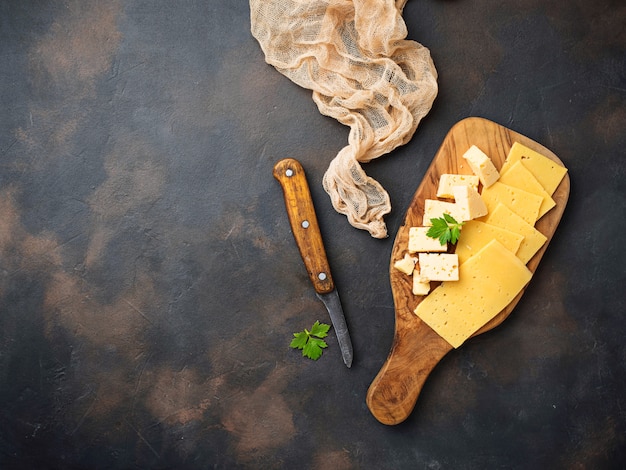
150	285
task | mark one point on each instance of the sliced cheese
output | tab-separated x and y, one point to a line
523	203
448	181
481	165
406	265
519	176
548	172
475	235
533	240
439	266
419	241
434	209
488	282
469	202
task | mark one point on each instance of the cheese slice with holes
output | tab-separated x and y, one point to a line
519	176
488	282
547	172
523	203
476	234
533	240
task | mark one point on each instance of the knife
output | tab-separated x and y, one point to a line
306	231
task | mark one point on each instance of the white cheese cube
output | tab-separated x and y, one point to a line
421	284
448	181
406	265
434	209
439	266
482	166
420	242
469	201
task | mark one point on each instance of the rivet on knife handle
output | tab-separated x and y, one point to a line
304	226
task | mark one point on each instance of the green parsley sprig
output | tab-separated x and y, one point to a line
446	229
311	342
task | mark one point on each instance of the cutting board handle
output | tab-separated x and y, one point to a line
416	351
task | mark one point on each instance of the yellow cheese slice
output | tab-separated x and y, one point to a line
547	172
523	203
488	282
519	176
476	234
533	240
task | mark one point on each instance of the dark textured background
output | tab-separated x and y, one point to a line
149	282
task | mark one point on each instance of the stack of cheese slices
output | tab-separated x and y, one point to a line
486	269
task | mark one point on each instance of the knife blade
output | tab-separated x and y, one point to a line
303	221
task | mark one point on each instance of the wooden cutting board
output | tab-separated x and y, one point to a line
416	348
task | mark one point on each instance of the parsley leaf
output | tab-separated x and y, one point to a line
320	329
311	342
313	348
446	229
299	341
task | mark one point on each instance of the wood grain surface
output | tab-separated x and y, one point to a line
416	348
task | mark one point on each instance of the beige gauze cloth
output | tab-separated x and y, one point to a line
354	56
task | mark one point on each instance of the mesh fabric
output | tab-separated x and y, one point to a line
354	56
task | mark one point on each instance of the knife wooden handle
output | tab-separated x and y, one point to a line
304	226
